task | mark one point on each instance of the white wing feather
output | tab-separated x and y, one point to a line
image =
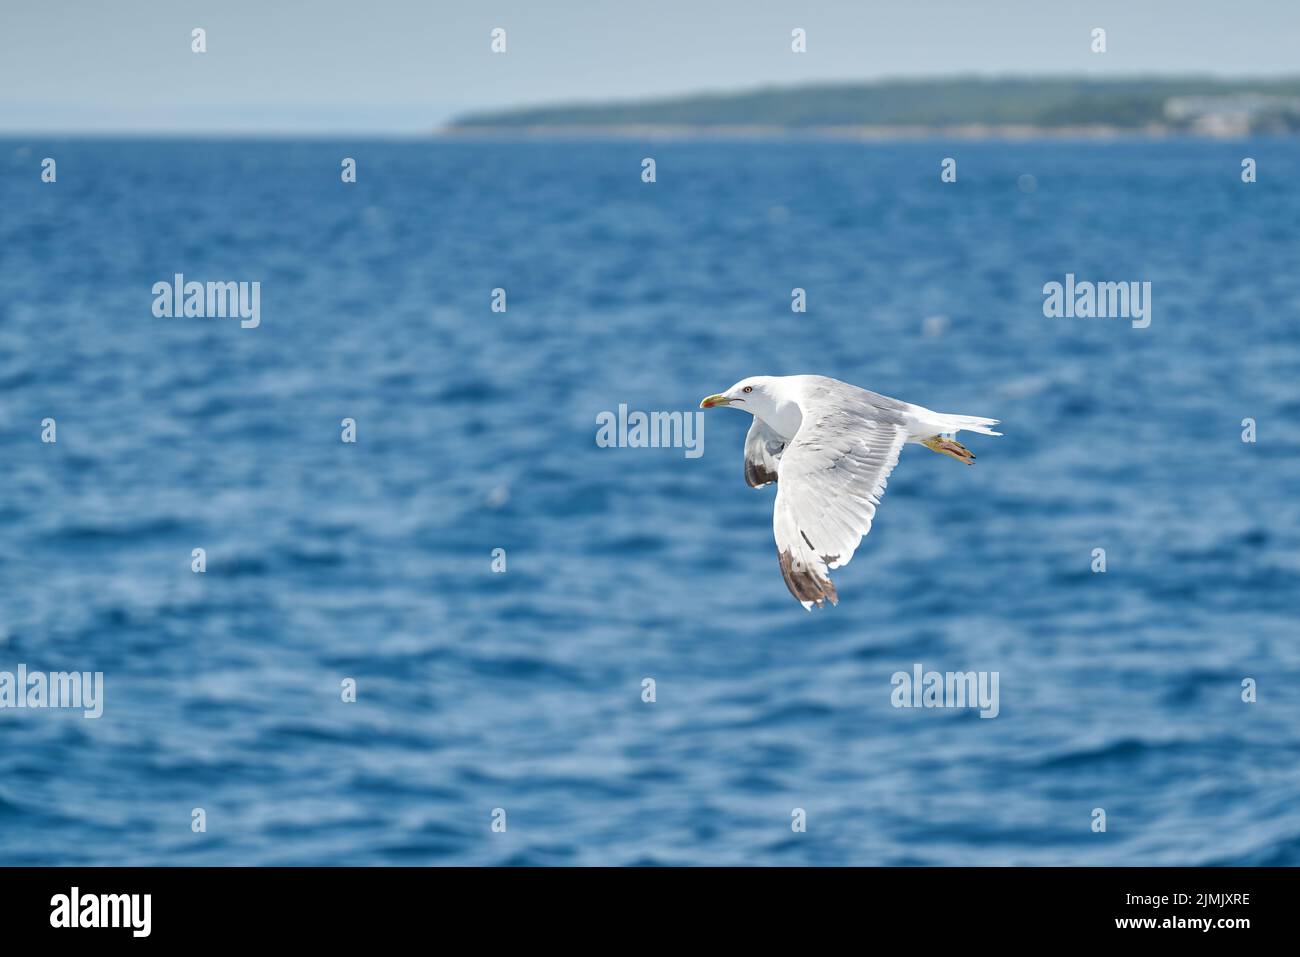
831	477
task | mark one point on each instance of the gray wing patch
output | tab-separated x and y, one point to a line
763	449
876	406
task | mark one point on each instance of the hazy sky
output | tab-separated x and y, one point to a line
404	66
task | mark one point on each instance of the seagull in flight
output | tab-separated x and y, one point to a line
830	446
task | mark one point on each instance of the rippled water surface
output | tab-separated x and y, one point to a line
476	431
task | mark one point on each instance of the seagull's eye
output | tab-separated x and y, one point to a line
748	388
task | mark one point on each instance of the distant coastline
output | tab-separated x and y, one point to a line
969	131
956	108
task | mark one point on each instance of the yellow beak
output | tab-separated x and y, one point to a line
709	401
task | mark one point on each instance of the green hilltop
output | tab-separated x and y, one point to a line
1238	105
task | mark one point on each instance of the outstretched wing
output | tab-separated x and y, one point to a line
832	476
763	448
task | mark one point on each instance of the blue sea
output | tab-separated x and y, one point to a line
522	690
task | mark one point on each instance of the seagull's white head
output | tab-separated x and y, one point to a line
756	395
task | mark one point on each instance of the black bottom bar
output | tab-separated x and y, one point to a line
333	906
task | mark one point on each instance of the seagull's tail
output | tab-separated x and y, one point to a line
971	423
